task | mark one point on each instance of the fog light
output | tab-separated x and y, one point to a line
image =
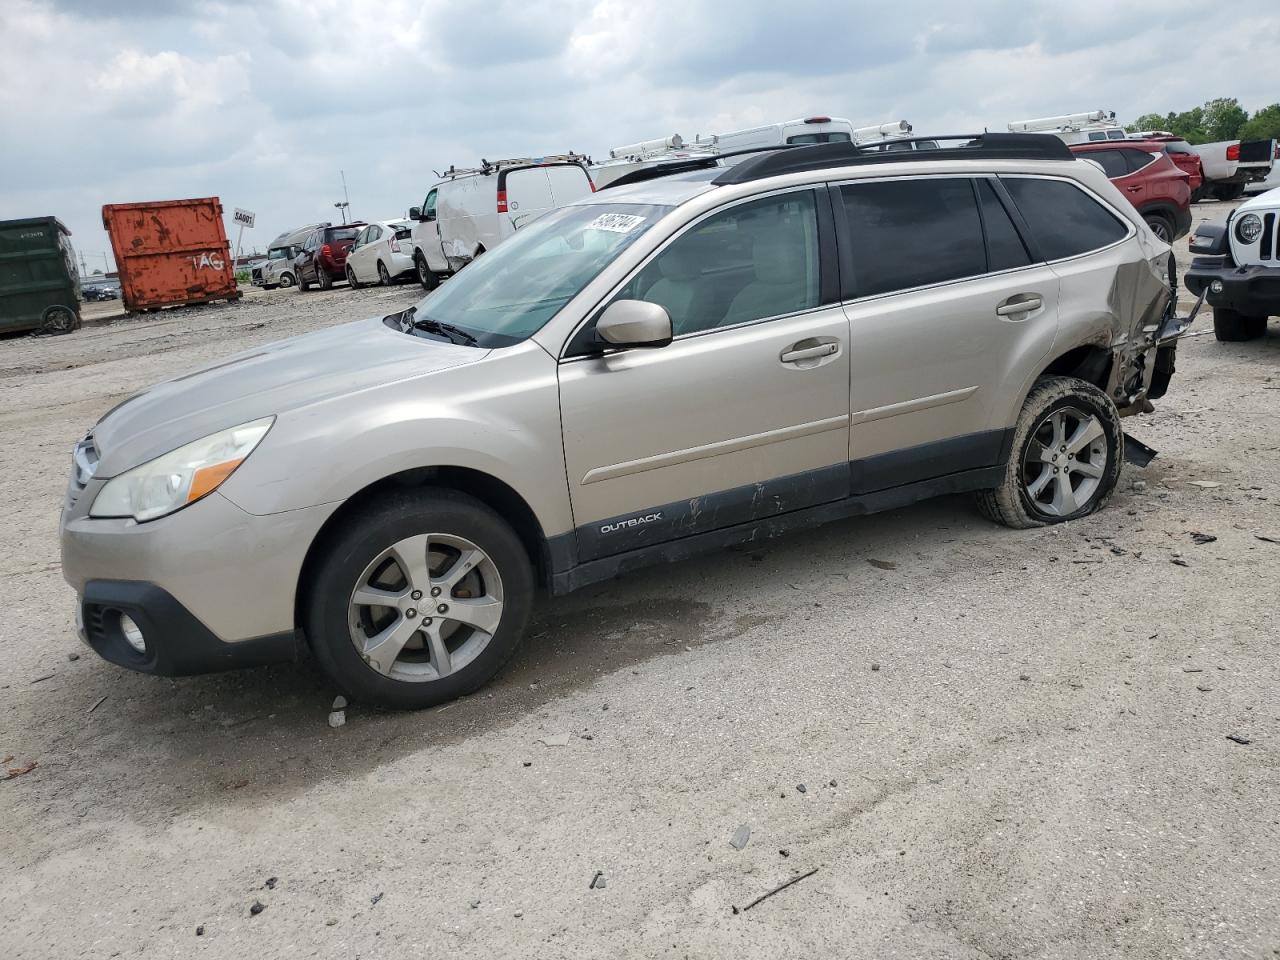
1215	287
132	633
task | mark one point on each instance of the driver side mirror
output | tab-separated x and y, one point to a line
634	323
415	213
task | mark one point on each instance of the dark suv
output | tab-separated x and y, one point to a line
322	258
1144	172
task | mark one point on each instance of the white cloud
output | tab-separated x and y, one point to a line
262	103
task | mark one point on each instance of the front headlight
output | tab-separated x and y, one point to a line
170	482
1248	228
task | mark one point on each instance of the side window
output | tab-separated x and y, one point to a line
1112	161
1005	249
429	205
361	238
372	234
912	233
1064	220
1137	159
752	261
1098	136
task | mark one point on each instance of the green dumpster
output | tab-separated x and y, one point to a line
39	286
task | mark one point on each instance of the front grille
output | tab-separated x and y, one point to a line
95	622
1267	244
257	274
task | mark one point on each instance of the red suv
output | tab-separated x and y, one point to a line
322	258
1145	173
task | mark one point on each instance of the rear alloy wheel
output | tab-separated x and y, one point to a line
1065	460
426	276
352	282
59	320
419	599
1232	326
1160	226
323	280
384	278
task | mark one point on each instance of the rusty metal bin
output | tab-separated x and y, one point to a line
170	252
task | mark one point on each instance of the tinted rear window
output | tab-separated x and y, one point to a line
912	233
343	233
1111	161
1064	220
820	138
1137	159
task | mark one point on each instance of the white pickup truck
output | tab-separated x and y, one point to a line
1231	165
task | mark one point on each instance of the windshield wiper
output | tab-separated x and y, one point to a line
456	334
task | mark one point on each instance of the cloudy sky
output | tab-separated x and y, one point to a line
263	103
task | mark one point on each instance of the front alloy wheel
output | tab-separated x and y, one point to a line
417	597
425	607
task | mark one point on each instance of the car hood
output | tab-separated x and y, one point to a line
1263	201
266	381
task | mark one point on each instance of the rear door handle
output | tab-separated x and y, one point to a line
1019	304
809	353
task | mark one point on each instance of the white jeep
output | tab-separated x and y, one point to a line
1237	268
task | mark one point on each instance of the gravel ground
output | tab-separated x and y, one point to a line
986	743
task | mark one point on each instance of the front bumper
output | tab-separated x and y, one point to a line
207	578
1252	290
176	643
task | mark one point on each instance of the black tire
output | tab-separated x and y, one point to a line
1232	326
1197	195
1010	503
1229	191
366	533
303	283
426	276
1161	226
323	280
59	320
286	280
352	282
384	278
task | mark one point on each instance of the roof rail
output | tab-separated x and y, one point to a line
493	166
685	164
989	146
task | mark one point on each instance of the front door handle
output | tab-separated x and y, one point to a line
1133	189
794	355
1021	303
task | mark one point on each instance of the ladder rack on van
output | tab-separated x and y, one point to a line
488	167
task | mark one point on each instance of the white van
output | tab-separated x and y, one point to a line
1090	127
807	131
649	153
471	211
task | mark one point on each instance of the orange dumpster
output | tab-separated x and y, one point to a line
170	252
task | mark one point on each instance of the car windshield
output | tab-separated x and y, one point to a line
277	253
508	294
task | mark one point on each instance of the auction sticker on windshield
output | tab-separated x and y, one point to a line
615	222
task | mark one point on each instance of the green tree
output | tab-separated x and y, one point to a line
1265	124
1148	121
1223	119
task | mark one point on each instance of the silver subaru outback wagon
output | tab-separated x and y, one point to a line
697	356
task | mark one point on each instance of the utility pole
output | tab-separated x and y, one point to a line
84	267
346	198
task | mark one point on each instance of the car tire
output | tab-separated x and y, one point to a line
1161	226
1232	326
384	278
1058	408
363	555
286	280
426	276
59	320
352	282
303	284
323	280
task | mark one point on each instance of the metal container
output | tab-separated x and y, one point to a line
170	252
39	287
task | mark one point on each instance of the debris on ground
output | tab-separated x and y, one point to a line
1238	738
882	564
1138	486
741	837
1204	689
518	914
777	889
556	740
373	901
1179	561
73	657
801	788
200	930
875	667
1193	669
21	771
271	883
43	677
1202	538
475	904
1267	537
597	882
1024	676
1205	484
96	704
257	907
337	718
339	703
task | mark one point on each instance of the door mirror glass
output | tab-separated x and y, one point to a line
415	213
634	323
